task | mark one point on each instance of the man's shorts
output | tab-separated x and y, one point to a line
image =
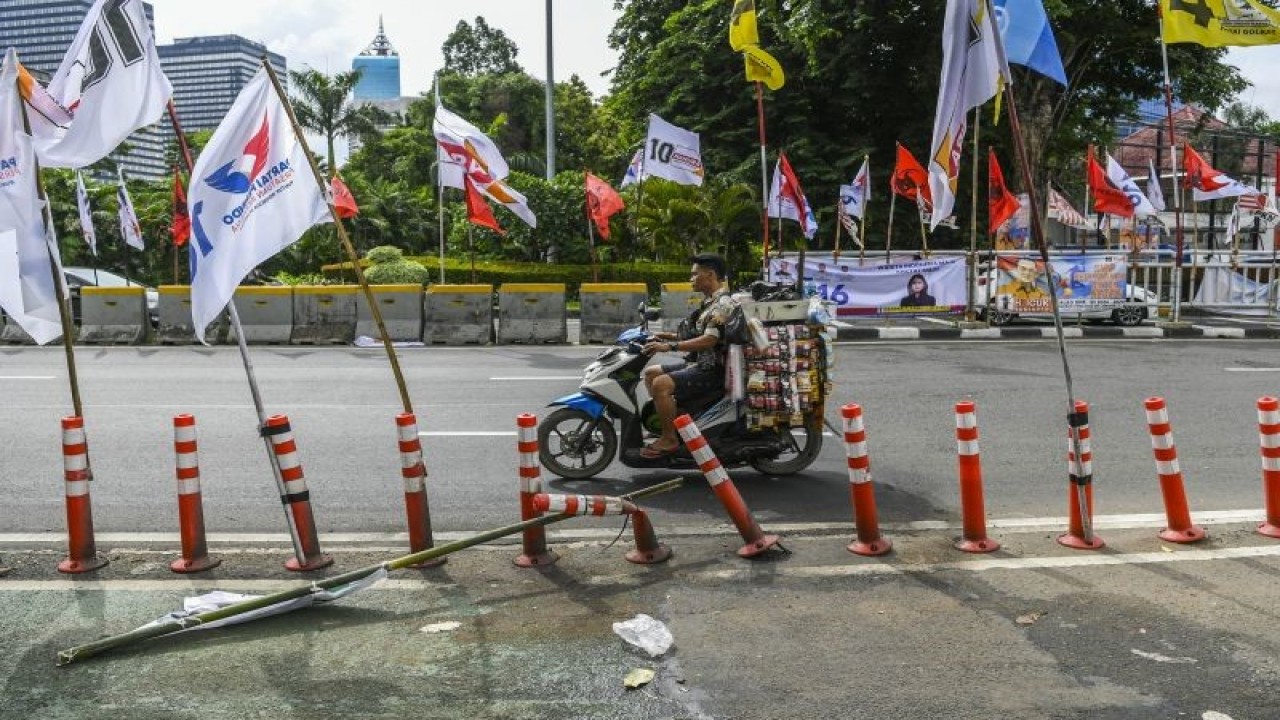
692	381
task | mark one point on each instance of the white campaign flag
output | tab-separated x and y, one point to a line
130	228
27	290
1154	194
673	153
972	67
252	194
854	197
111	80
1118	177
86	216
511	199
463	150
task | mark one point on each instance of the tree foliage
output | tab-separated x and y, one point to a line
479	50
324	105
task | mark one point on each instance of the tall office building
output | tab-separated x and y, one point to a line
208	73
41	31
380	64
379	81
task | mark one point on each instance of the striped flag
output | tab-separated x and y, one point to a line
1067	215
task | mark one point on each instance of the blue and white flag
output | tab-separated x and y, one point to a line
130	228
635	170
1154	194
1118	177
86	215
252	195
1028	39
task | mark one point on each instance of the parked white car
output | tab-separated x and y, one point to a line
1138	304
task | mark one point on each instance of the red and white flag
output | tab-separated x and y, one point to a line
1207	183
1065	212
787	200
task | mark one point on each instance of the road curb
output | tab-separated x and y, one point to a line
856	334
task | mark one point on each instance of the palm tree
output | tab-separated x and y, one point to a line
324	106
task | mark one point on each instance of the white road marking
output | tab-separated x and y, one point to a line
538	377
1249	369
28	377
1163	658
469	433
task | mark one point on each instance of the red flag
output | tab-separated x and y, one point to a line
343	201
1001	204
1107	199
790	187
478	211
910	180
180	226
602	203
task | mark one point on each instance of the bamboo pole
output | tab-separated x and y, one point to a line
374	310
59	282
97	647
764	183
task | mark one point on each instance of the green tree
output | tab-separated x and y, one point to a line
479	50
324	105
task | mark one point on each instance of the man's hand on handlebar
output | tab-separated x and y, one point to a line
659	342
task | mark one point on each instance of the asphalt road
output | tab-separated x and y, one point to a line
1142	629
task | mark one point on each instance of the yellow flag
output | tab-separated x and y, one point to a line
742	25
1215	23
763	67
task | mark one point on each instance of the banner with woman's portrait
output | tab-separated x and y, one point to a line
903	287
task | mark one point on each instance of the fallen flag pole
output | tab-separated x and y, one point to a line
374	310
1074	420
81	652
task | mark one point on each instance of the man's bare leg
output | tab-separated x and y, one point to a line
664	402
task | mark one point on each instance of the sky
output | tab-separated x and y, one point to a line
326	34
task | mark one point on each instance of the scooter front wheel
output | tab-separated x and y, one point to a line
574	445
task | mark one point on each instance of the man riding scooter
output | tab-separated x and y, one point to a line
702	340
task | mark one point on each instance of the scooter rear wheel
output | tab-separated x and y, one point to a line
808	443
569	445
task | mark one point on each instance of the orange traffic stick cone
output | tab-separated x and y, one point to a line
1079	533
534	550
414	472
973	510
861	492
195	549
83	553
1269	437
1180	529
648	550
725	490
295	497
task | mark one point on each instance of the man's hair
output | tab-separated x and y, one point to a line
711	261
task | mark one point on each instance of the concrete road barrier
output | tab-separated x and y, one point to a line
532	313
458	315
114	315
678	301
174	326
266	314
324	314
608	309
401	308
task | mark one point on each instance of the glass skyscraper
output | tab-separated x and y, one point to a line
208	73
380	64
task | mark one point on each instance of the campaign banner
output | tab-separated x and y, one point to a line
903	287
1083	282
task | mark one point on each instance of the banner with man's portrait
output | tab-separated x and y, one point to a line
1083	282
